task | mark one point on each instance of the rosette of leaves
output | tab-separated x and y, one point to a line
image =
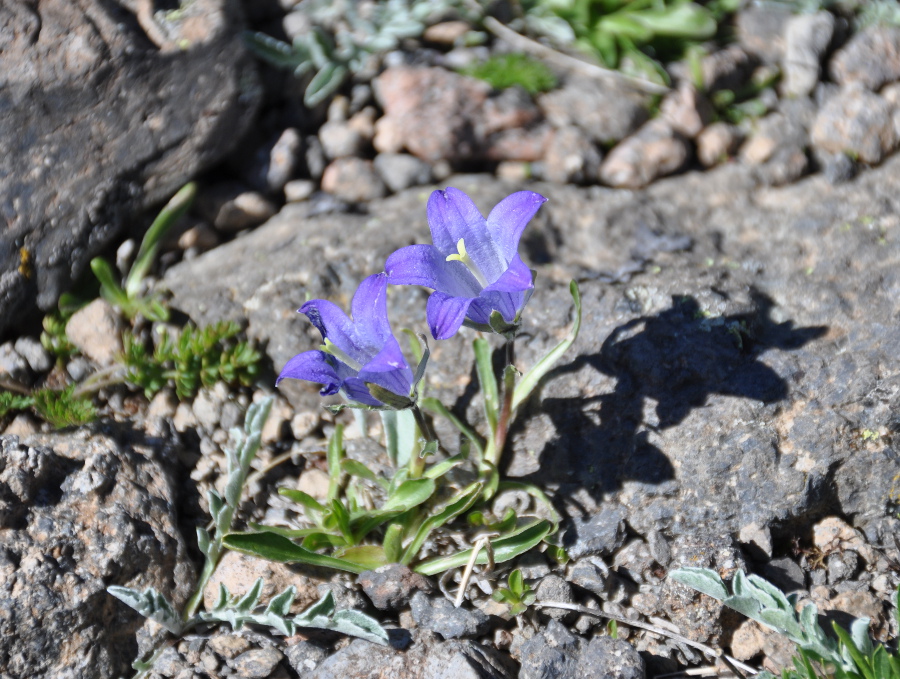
344	36
344	534
518	595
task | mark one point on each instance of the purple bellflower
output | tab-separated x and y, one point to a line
355	352
474	266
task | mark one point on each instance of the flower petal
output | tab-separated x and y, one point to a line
446	314
312	366
335	326
389	369
453	216
515	279
509	218
425	265
507	303
369	309
356	390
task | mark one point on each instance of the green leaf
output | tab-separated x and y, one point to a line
274	547
625	25
516	583
393	543
859	632
369	556
356	468
505	547
461	503
325	83
531	379
110	289
683	20
333	458
487	380
342	516
410	494
439	469
174	209
855	653
302	498
275	51
389	398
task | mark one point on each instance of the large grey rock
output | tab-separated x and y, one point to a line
857	122
871	58
427	658
105	110
555	652
807	37
79	512
585	103
709	388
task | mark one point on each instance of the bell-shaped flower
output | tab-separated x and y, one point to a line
357	352
473	266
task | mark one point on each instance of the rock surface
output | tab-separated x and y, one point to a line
79	512
705	385
102	114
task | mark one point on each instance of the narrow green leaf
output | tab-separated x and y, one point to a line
170	214
333	458
436	471
389	398
269	545
485	368
110	289
516	582
356	468
533	377
302	498
325	83
410	494
342	516
505	547
858	658
369	556
393	543
463	501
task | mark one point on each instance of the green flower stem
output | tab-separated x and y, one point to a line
209	567
498	442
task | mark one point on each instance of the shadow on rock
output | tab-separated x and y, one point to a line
675	359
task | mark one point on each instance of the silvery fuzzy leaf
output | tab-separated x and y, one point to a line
703	580
859	632
766	593
204	542
281	604
744	605
322	615
151	604
782	621
250	600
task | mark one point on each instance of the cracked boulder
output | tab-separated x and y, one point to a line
106	109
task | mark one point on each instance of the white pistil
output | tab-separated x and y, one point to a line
463	256
339	354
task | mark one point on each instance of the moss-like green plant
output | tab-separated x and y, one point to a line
197	357
508	70
61	408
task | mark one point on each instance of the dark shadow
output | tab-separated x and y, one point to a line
677	359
